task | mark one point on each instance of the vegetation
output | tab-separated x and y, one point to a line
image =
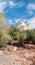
7	35
14	33
30	36
4	37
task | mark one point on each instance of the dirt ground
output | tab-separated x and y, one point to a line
25	55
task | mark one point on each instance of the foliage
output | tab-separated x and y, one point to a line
30	35
4	37
14	33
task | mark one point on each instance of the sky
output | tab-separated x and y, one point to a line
18	10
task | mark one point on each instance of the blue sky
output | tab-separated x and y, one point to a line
18	10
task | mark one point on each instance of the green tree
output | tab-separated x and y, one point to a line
14	33
30	35
4	37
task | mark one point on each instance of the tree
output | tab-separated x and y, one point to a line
22	39
30	35
14	33
4	37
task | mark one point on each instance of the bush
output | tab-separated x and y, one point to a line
30	35
14	33
4	39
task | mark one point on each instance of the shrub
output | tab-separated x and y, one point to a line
4	39
14	33
30	35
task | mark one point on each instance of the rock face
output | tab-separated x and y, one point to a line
1	64
19	57
15	48
12	48
1	52
4	60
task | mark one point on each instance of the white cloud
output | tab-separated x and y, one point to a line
2	6
32	22
1	0
20	4
17	20
11	3
30	12
31	6
15	4
21	20
10	22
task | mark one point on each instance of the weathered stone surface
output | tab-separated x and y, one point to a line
1	52
4	60
1	64
20	57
